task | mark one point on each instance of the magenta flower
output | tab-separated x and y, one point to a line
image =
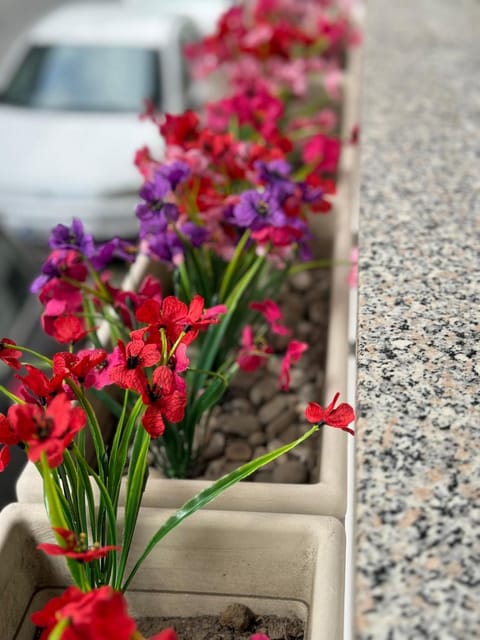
253	354
293	354
272	314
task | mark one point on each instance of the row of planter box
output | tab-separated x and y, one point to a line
279	546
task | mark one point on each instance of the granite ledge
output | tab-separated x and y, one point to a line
418	385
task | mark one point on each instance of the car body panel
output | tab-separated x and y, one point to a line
57	164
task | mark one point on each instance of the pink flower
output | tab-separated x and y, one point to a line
323	152
293	354
252	355
272	314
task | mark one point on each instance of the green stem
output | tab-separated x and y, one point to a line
232	266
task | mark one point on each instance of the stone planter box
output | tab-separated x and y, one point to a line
278	564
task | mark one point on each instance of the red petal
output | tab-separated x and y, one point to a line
195	309
314	413
4	458
52	549
342	416
153	422
173	309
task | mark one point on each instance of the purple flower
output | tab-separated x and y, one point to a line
257	209
154	193
276	174
311	194
166	246
114	248
50	270
195	234
175	173
74	237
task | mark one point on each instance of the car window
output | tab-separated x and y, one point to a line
86	78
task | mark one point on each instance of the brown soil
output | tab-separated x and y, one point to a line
236	622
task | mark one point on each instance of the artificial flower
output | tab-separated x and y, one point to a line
9	355
49	430
75	547
100	614
339	417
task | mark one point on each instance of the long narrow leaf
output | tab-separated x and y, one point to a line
210	493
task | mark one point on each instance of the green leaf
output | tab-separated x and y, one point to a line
210	493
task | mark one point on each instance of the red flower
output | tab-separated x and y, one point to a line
126	302
165	399
277	236
48	430
8	436
174	317
293	354
338	417
9	356
134	357
78	365
181	130
100	614
64	328
272	314
38	387
75	548
4	458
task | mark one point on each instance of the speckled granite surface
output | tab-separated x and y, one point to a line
418	433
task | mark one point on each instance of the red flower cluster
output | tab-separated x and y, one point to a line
151	363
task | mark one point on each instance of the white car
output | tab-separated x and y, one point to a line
70	97
205	13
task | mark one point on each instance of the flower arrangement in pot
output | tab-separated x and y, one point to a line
49	417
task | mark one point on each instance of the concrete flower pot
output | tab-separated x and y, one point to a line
279	564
